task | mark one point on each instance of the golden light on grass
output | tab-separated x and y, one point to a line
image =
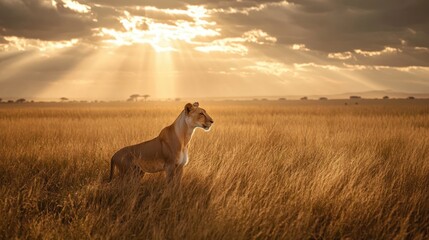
267	170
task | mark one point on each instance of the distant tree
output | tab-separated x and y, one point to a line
355	97
264	99
411	97
10	101
1	100
21	100
177	99
145	96
323	98
282	99
133	98
64	99
386	97
304	98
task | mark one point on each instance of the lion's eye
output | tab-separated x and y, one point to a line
201	113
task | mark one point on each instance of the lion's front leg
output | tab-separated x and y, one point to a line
178	174
170	172
174	173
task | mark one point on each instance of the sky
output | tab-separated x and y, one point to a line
110	49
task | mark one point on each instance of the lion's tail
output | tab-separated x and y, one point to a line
112	169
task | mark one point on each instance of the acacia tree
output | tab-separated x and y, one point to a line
134	97
63	99
146	96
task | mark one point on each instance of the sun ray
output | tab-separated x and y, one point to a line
28	65
87	78
17	63
164	74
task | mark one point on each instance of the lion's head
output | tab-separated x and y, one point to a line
197	117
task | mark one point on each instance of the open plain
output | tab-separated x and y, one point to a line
266	170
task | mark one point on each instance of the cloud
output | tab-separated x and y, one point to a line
331	30
74	5
340	55
23	44
339	26
45	20
270	68
386	50
300	47
236	45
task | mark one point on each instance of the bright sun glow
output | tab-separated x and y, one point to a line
144	30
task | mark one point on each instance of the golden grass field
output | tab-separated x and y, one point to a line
266	170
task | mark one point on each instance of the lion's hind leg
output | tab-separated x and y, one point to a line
112	168
137	171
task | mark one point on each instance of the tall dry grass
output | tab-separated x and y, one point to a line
267	170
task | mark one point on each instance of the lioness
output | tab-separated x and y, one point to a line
169	151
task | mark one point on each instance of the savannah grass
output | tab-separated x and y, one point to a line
266	170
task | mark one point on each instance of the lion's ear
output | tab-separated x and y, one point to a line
188	108
196	104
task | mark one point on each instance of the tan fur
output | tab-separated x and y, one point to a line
169	151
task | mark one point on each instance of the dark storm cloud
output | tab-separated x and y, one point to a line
403	57
107	17
36	19
337	26
369	25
